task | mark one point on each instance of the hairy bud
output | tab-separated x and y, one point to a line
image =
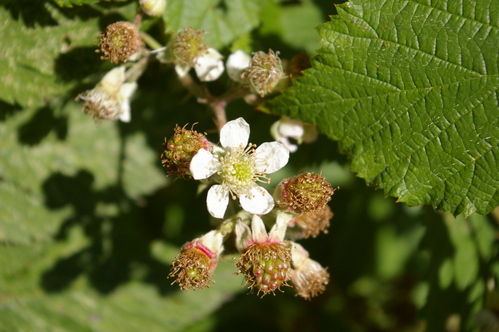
264	72
188	45
119	42
306	192
193	268
310	224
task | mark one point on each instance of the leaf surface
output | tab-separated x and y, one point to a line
409	89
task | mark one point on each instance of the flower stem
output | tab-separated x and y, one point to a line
150	41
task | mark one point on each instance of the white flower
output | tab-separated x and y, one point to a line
237	166
210	66
237	62
110	99
308	276
287	128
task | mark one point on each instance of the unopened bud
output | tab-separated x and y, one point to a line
119	42
153	7
180	148
264	72
306	192
194	267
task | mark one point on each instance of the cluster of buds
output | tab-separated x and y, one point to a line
233	169
268	261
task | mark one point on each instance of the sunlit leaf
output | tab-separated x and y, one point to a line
409	88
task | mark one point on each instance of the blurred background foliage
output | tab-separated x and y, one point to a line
89	222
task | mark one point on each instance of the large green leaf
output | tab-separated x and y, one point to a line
224	21
29	56
135	305
410	90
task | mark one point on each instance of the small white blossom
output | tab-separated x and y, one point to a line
110	99
210	66
237	62
287	128
237	166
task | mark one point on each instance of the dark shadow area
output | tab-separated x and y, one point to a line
328	7
31	12
117	244
78	63
275	42
40	125
7	110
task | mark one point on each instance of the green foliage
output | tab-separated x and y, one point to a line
409	89
223	20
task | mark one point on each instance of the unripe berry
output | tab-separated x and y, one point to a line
180	148
266	266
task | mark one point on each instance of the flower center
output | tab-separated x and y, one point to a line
238	169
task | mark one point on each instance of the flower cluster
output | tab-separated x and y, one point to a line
268	261
235	170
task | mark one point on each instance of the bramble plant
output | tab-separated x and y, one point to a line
247	113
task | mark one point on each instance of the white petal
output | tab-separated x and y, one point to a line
237	62
203	165
210	66
182	69
213	240
281	224
243	236
113	80
259	233
299	255
127	90
292	128
271	157
126	114
258	201
125	93
217	200
235	134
